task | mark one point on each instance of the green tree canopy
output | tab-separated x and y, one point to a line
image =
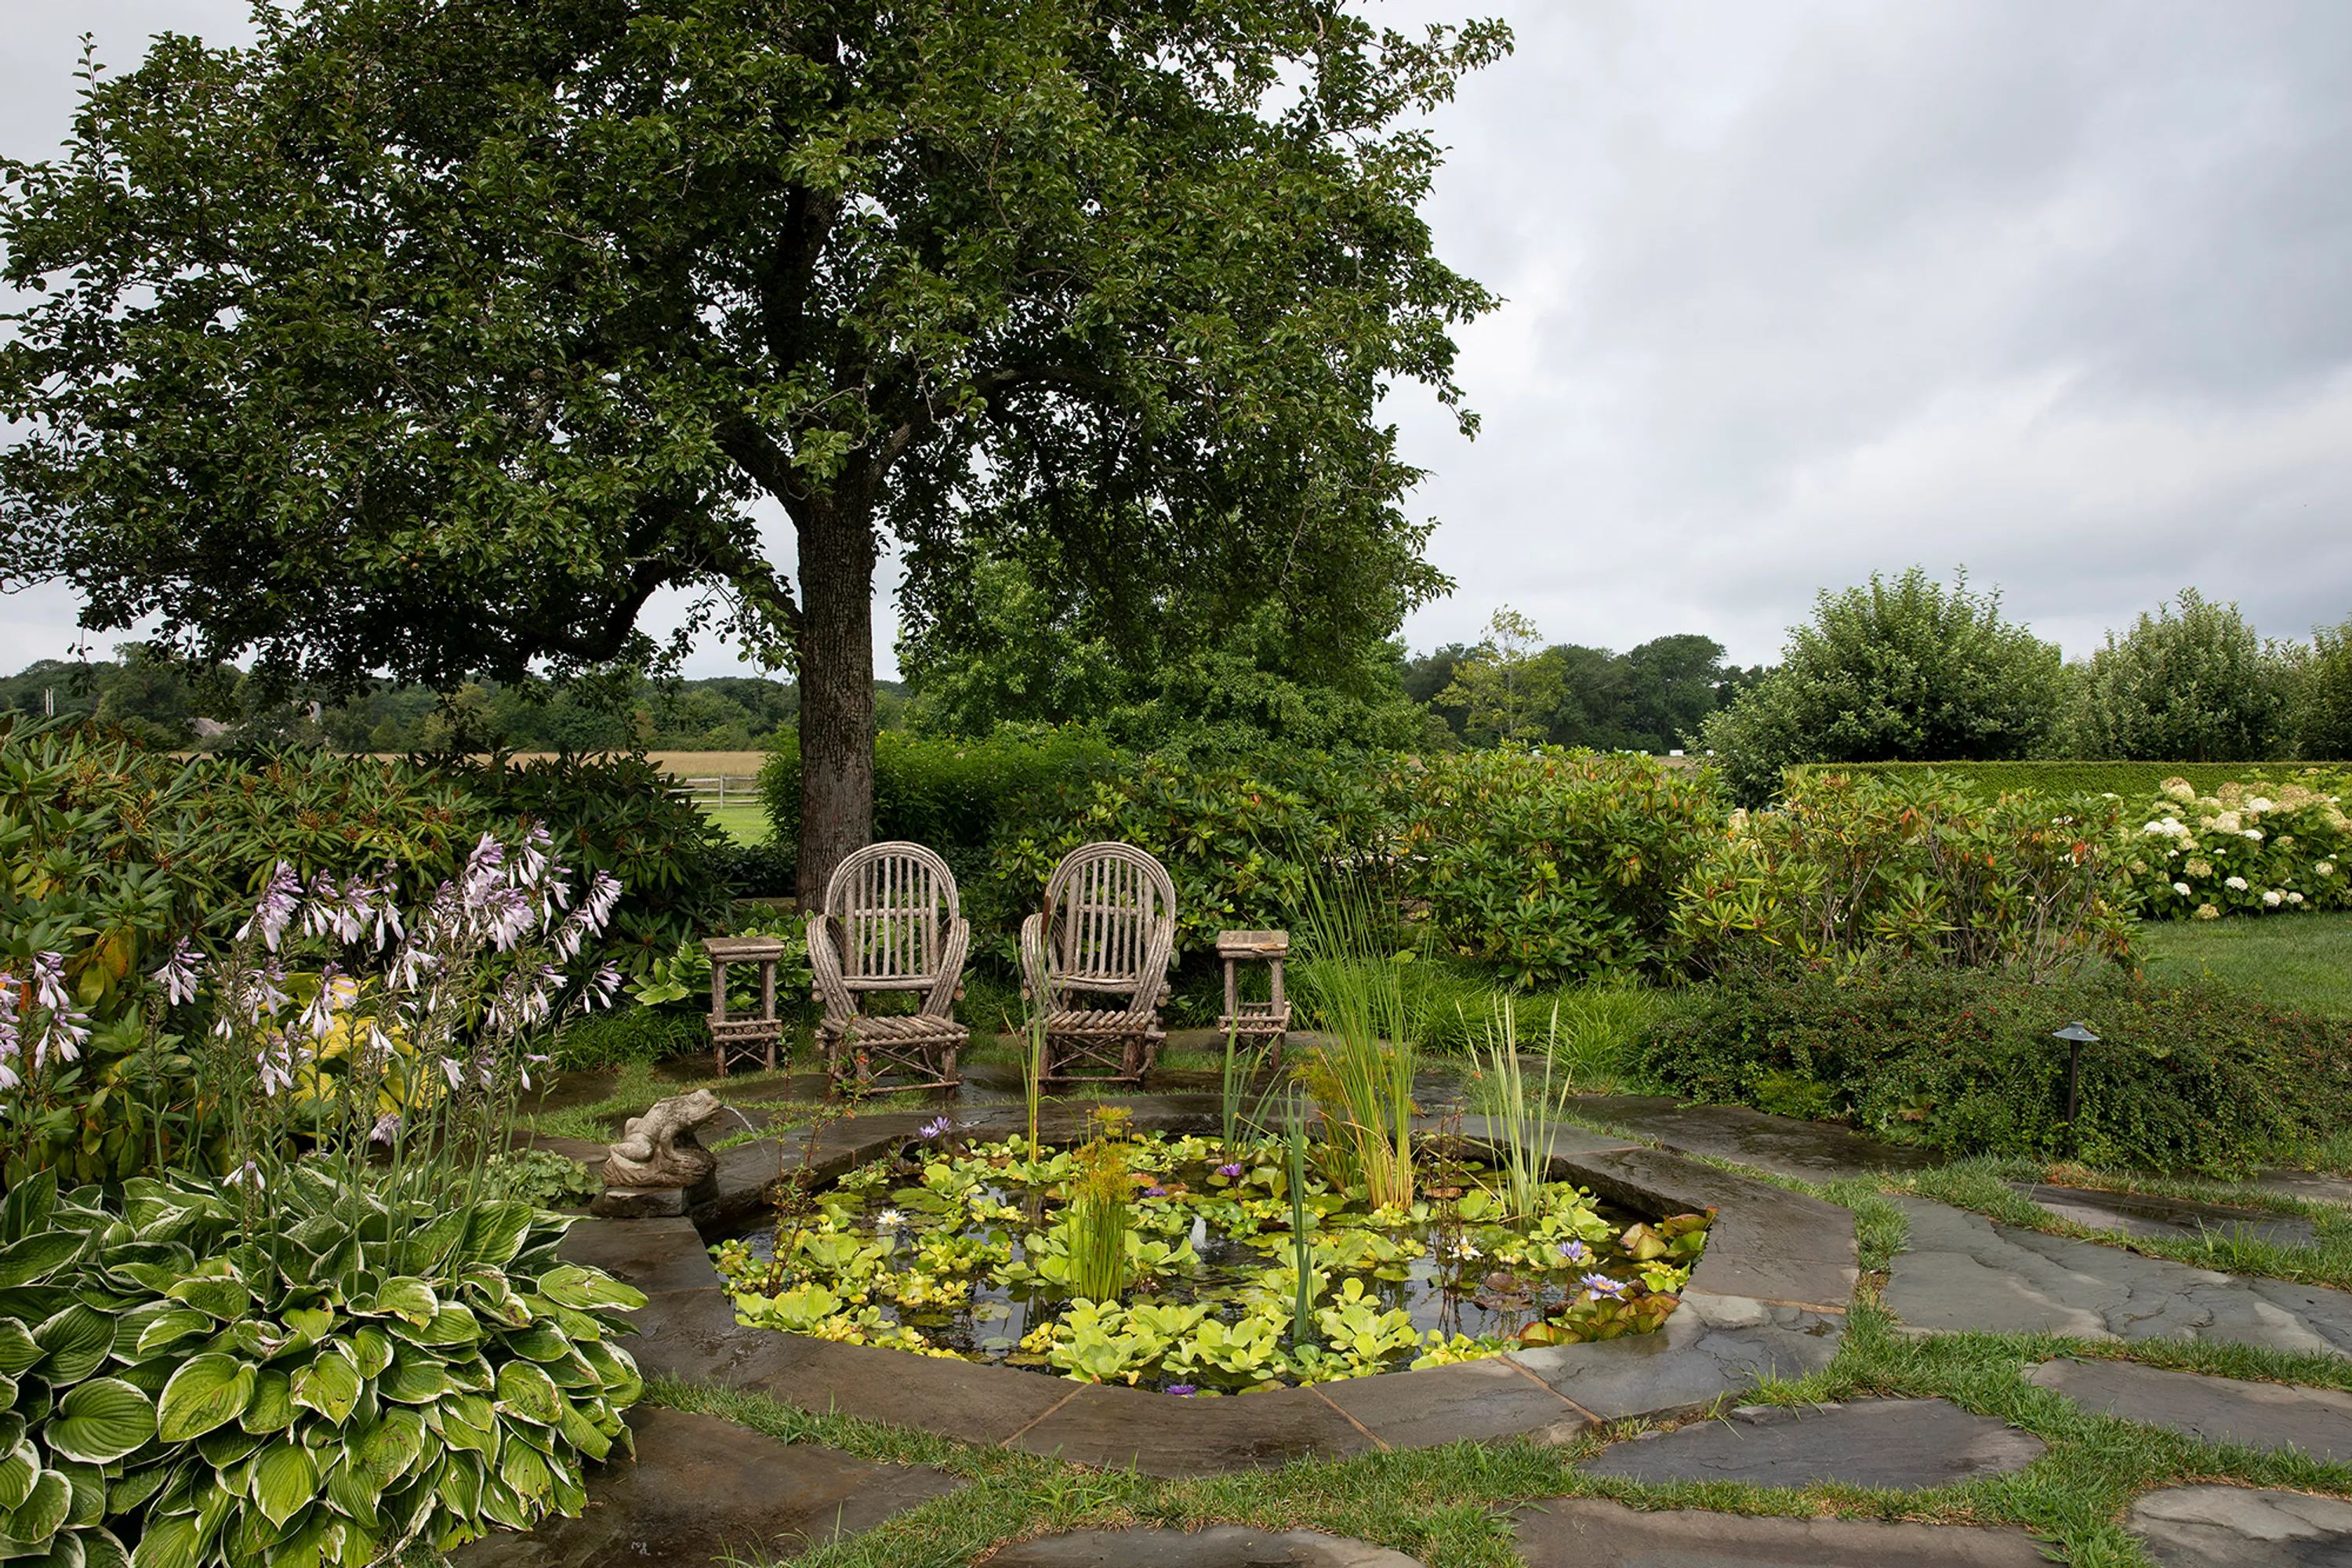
2195	686
433	337
1899	671
2324	722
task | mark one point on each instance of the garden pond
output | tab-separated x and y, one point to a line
973	1251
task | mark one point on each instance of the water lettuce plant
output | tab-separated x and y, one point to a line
1237	1273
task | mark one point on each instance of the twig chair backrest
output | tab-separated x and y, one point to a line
893	910
1113	908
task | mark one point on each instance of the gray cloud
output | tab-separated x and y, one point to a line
1806	290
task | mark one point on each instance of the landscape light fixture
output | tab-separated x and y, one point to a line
2076	1035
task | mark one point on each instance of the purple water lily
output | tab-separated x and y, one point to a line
1182	1390
1575	1251
938	1128
1232	1172
1155	1192
1601	1285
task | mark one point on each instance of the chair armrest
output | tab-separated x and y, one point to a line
1037	985
940	1001
824	965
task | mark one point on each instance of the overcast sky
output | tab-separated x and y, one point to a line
2054	288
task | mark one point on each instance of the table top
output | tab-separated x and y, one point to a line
1253	943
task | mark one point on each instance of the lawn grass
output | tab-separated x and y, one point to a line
745	822
2302	961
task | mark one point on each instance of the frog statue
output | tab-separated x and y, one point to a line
659	1149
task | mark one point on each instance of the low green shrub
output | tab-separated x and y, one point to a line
366	1376
2198	1077
540	1177
2245	849
1550	866
2127	779
1912	867
627	1034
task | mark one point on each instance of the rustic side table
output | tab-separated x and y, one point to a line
1252	1023
754	1039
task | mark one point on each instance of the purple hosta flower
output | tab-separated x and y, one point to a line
178	976
1575	1251
605	987
275	1060
1182	1390
334	994
10	1043
409	967
938	1128
276	908
1601	1285
248	1174
455	1071
67	1026
530	1061
603	894
1232	1171
387	1128
535	845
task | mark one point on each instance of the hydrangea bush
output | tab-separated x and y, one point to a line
2247	849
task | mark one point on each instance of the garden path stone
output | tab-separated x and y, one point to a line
702	1491
1961	1271
1711	1347
1584	1532
1121	1428
2139	1213
1489	1399
2311	1186
955	1398
1891	1442
1222	1546
2316	1421
1783	1146
1768	1243
2236	1526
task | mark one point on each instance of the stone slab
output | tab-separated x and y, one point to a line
2317	1421
701	1490
656	1256
2139	1214
1812	1150
1584	1532
1768	1243
1961	1271
1486	1400
2311	1186
955	1398
2236	1526
1222	1546
1123	1428
1899	1444
1711	1348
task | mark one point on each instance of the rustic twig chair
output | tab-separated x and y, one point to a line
1112	912
891	922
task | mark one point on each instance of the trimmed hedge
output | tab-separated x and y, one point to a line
2199	1076
2130	780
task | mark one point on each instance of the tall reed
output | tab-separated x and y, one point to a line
1530	1128
1302	1251
1363	1078
1100	1219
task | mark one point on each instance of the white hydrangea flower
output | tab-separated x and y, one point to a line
2181	888
2326	867
2255	834
2235	884
2294	898
2228	822
2271	899
2259	805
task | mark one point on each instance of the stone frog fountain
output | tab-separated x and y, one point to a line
658	1166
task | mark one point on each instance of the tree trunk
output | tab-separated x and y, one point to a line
837	673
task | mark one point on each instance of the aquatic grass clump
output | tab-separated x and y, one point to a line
1099	1220
1362	1081
1529	1127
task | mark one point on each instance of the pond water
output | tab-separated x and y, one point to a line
970	1252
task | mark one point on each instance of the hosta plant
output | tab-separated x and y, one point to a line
363	1375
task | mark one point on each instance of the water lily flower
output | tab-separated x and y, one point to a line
1601	1285
938	1128
1575	1251
1182	1390
1232	1172
889	1219
1155	1192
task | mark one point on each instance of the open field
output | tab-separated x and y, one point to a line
745	824
2304	961
692	764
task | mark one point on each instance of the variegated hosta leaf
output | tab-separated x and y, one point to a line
99	1421
207	1392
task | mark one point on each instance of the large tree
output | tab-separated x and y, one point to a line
429	339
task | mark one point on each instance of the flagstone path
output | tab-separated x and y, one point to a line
1769	1300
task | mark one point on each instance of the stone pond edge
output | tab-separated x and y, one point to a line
1767	1300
